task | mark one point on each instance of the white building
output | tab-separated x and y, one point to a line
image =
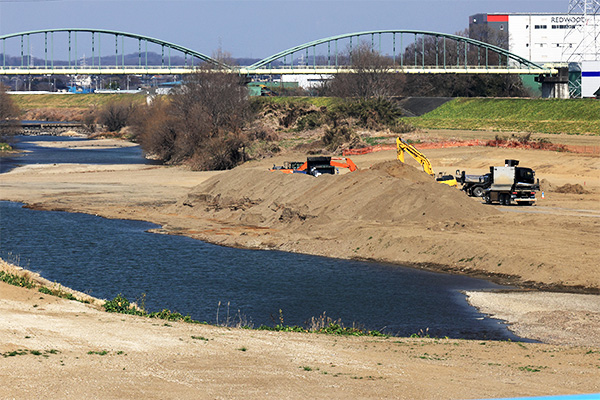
557	39
547	38
590	78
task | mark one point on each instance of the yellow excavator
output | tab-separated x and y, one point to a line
403	146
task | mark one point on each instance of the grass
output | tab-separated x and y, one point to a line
321	324
81	101
532	368
121	305
315	101
58	292
5	147
570	116
325	325
24	352
16	280
26	282
100	353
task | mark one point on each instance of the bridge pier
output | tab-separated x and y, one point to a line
555	86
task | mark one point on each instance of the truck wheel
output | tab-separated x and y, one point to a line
478	191
507	200
487	199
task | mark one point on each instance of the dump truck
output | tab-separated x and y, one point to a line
506	185
473	185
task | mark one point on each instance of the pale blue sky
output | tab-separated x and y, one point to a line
249	28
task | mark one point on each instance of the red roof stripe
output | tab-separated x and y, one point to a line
497	18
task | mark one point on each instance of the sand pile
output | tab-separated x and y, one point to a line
571	188
387	192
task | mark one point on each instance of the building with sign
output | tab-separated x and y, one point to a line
568	40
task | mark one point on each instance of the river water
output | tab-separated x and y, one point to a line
34	152
106	257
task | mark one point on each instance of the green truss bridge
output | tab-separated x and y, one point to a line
78	51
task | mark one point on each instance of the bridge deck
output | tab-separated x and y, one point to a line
295	70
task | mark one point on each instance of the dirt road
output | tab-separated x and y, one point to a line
389	213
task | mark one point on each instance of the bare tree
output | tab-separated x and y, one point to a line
432	50
201	123
115	115
9	114
370	76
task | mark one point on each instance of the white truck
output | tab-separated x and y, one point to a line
511	185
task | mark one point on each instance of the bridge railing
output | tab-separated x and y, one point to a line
407	51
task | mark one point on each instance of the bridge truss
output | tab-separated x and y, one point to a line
92	52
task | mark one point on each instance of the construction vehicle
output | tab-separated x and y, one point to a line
316	166
403	146
511	184
473	185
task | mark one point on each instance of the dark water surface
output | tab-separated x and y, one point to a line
106	257
34	153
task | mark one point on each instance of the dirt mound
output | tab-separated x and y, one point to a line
571	188
387	192
546	185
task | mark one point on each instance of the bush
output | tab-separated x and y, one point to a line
121	305
9	114
115	115
373	113
200	124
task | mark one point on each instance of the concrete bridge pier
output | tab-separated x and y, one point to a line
555	86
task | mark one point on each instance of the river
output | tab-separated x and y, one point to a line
105	257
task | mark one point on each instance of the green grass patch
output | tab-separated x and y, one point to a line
532	368
59	293
16	280
122	306
5	147
24	281
99	353
24	352
570	116
332	328
322	324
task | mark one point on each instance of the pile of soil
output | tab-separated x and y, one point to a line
546	186
571	188
386	192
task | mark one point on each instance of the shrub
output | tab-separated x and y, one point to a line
200	124
121	305
115	115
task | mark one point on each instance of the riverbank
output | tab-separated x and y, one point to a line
56	348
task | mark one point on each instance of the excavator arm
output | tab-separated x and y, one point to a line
347	164
402	146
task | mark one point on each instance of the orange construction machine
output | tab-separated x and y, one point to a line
316	166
